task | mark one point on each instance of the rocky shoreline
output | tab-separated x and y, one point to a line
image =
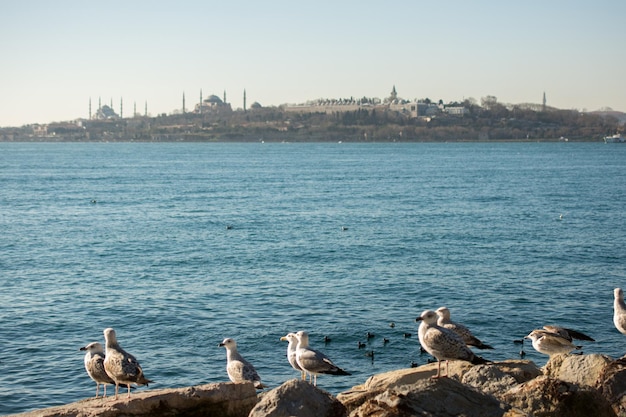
572	386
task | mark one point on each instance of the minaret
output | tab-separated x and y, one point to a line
394	94
224	96
134	109
200	111
183	102
543	108
146	109
89	108
121	108
99	103
244	100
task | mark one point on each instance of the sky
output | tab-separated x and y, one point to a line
56	56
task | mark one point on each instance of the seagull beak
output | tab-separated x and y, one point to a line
419	319
83	348
220	345
283	338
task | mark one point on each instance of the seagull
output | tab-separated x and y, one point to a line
291	353
464	332
568	334
551	343
619	310
442	343
120	365
94	365
313	361
239	369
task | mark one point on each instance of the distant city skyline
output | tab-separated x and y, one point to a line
58	55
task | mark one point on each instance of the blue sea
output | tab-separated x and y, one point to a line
180	245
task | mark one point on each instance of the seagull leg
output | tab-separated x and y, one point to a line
128	391
438	370
117	387
105	390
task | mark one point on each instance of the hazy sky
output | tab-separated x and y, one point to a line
56	55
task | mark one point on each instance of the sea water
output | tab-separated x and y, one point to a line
180	245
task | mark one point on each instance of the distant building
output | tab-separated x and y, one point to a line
106	113
456	111
212	104
40	130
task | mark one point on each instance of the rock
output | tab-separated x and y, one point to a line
441	397
546	396
521	370
573	385
583	370
224	399
489	379
413	392
612	385
298	398
379	383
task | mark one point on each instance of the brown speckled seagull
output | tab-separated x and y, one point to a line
94	365
464	332
443	343
239	369
121	366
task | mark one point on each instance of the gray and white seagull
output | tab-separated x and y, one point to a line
313	361
237	368
291	353
619	310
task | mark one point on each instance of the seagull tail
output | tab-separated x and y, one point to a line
477	360
337	371
579	335
259	385
144	381
477	343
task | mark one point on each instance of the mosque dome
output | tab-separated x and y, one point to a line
213	99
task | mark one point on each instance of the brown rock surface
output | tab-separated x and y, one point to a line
612	385
224	400
546	396
583	370
298	398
